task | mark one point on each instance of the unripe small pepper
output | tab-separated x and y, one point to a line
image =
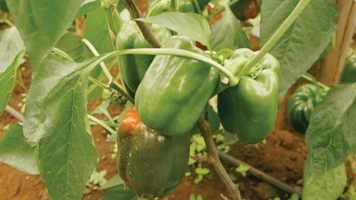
301	105
150	164
117	98
133	67
175	89
246	9
249	109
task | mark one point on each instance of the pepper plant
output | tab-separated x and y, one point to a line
170	85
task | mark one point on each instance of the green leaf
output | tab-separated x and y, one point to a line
331	135
118	192
199	197
87	6
328	186
41	23
7	81
228	33
17	152
114	181
304	41
55	117
103	109
10	45
202	171
192	197
190	24
74	47
96	31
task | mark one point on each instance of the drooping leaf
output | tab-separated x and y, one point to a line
118	192
114	181
7	81
96	31
190	24
304	41
87	6
41	23
17	152
331	134
10	45
228	33
328	186
56	118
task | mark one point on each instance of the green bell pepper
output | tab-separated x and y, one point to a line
249	109
185	6
151	165
175	90
301	105
133	67
348	74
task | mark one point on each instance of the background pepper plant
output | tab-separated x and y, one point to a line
56	125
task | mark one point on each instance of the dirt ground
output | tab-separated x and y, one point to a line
282	155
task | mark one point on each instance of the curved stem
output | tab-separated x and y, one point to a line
98	83
62	53
102	64
212	15
112	131
278	34
306	77
196	6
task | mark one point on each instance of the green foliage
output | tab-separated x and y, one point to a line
192	197
39	28
330	136
190	24
17	152
302	44
61	124
10	45
227	32
328	186
87	6
242	169
7	81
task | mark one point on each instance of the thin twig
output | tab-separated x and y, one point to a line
215	161
12	111
145	29
259	174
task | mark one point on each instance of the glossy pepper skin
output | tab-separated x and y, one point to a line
348	74
249	109
151	165
301	105
133	67
246	9
175	90
185	6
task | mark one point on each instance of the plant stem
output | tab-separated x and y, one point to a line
174	6
112	131
145	29
21	83
196	6
102	64
212	15
156	9
278	34
62	53
306	77
121	90
98	83
12	111
213	158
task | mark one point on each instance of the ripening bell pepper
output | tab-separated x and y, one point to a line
301	105
246	9
150	164
249	109
175	90
348	74
133	67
